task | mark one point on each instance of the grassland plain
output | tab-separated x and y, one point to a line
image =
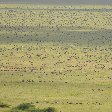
56	56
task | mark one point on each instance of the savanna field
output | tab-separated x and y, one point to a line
55	56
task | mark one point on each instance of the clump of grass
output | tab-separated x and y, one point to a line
27	107
24	106
3	105
50	109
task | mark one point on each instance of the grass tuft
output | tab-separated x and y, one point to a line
27	107
50	109
2	105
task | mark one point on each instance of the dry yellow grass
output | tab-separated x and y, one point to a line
56	58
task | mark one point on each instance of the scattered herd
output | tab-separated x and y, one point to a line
56	43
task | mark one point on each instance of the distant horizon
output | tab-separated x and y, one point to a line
59	2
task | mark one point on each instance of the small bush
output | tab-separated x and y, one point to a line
50	109
25	106
37	110
2	105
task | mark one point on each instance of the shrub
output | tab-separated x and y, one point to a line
25	106
2	105
50	109
37	110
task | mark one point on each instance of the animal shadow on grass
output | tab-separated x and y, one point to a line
27	107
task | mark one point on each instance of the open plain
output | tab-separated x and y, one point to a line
56	56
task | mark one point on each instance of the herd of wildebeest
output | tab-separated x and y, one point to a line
60	44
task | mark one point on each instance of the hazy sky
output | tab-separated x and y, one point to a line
59	1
